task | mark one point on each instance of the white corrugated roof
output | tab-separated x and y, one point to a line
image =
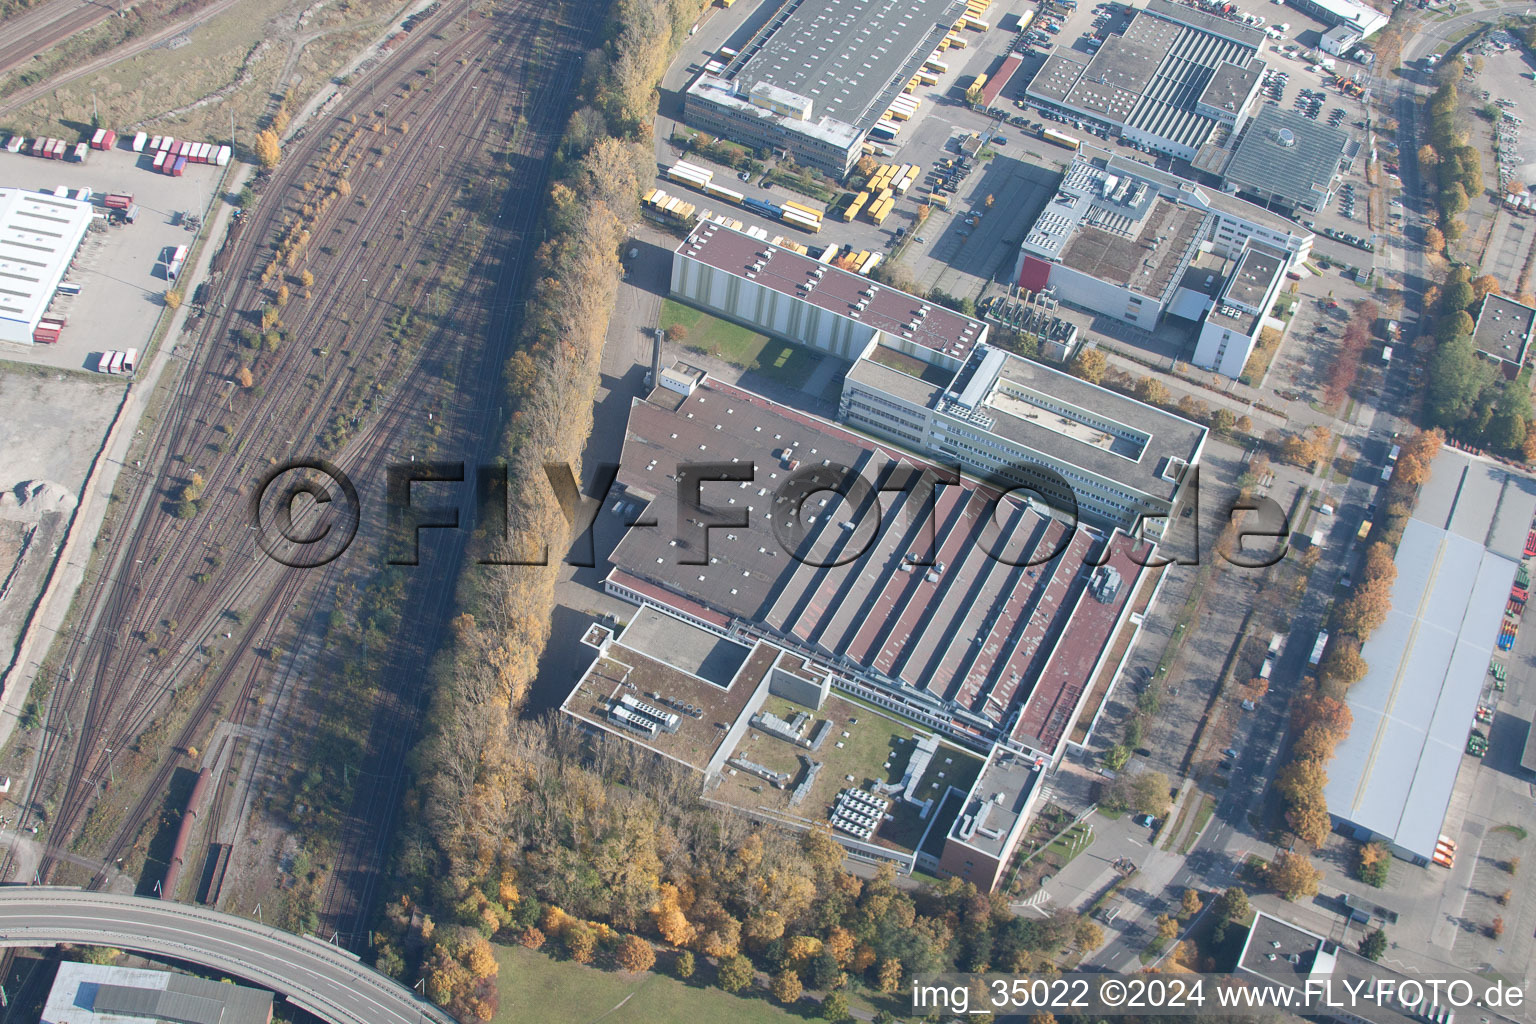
38	237
1413	709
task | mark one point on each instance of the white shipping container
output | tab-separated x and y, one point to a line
138	142
155	143
223	158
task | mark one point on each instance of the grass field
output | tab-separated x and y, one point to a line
536	987
740	346
233	60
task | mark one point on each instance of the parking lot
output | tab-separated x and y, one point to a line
120	269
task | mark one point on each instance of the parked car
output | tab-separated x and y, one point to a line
1145	820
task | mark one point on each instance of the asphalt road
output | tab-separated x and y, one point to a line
318	977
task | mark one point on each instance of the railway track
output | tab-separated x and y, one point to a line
109	688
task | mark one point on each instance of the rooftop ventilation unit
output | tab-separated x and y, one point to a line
1285	137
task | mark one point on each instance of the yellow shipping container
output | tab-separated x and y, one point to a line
955	41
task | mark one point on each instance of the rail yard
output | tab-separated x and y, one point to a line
160	645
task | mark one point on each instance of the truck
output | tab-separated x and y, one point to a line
130	360
118	200
1320	645
173	265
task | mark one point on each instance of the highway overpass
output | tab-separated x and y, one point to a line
325	980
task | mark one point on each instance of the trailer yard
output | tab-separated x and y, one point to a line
119	269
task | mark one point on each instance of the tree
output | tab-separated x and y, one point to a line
1374	945
735	973
1365	609
1293	876
268	150
1485	285
1375	862
1344	667
1088	935
1222	420
824	973
683	966
1151	391
1089	364
835	1008
786	987
580	943
1379	564
1316	743
1496	927
283	295
1434	240
635	954
1167	927
1142	791
244	377
306	279
1190	905
173	298
531	937
1309	819
1300	778
1457	293
1232	905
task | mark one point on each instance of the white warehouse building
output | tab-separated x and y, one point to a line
39	236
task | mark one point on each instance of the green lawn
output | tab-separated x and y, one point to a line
740	346
536	987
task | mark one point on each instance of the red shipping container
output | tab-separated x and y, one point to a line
180	165
100	134
45	335
117	201
60	149
110	140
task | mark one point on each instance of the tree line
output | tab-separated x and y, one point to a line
593	849
1320	716
1468	396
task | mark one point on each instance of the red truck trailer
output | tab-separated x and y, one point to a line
178	167
117	200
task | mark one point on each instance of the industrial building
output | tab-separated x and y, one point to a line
1130	242
1279	952
1503	333
1392	777
1286	159
97	994
923	376
967	609
39	237
984	838
1171	81
1233	323
813	79
1361	17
